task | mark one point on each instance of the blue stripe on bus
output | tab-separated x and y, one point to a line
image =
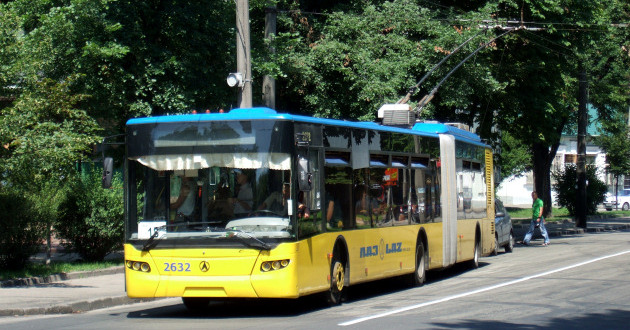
422	129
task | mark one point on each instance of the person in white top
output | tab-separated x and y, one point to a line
185	203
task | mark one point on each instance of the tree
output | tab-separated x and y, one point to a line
20	236
566	189
90	217
346	64
541	69
43	135
614	142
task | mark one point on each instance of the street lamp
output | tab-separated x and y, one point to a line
235	79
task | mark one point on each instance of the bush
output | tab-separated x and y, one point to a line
21	235
566	188
91	218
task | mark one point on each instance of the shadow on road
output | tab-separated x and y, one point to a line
243	308
612	319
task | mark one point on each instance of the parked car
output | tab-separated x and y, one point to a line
504	234
622	200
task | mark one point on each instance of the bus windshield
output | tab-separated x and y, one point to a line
192	188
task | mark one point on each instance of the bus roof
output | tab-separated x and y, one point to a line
423	129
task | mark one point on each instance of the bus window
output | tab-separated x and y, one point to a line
364	204
380	191
338	198
401	197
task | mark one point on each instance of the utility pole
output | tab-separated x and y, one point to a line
243	53
269	83
581	146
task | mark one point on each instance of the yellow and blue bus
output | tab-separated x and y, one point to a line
259	204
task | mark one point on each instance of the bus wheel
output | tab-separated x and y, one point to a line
420	275
474	263
337	278
196	304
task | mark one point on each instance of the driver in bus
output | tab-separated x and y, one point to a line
277	202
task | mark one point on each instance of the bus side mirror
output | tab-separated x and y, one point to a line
108	166
305	178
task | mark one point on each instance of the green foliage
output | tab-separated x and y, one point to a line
43	135
90	217
614	142
515	157
21	236
350	62
566	189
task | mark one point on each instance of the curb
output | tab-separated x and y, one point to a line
31	281
77	307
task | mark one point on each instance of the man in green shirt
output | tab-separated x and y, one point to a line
537	221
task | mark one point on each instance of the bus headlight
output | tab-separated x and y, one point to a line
274	265
138	266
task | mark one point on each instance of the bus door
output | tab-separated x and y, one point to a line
449	199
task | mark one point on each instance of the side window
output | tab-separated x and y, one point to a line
338	198
364	203
433	186
401	197
379	192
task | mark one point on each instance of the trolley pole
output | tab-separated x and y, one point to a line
243	53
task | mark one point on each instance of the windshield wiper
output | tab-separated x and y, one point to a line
155	234
263	245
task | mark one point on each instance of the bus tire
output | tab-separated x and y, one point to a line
419	276
474	263
337	280
196	304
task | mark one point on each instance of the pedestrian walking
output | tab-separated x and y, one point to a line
538	221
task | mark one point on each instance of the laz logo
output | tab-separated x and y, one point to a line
393	248
368	251
376	250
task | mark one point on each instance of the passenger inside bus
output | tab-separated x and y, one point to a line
334	216
364	207
184	203
220	207
244	197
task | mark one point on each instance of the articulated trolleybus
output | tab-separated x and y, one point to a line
258	204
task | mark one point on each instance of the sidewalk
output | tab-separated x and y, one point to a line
595	224
85	291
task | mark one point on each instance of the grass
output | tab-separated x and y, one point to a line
41	270
526	213
559	214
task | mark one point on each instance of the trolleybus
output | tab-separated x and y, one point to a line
259	204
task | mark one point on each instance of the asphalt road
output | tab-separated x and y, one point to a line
580	282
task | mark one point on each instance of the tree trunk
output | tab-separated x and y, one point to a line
543	158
